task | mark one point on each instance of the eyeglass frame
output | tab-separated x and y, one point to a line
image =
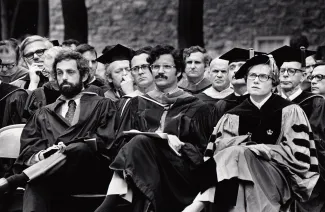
259	77
41	53
166	67
311	77
12	65
142	67
292	73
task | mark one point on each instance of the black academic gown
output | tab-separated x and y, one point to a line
82	171
314	107
207	99
12	102
196	89
227	104
161	177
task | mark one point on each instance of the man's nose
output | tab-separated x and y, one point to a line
90	64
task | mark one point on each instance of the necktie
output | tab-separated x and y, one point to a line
72	108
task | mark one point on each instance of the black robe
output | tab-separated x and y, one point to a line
161	176
314	107
207	99
195	89
227	104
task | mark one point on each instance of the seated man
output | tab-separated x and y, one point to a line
264	155
153	172
79	127
196	60
317	79
219	76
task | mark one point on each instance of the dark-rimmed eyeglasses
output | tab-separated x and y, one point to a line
8	66
290	71
261	77
318	77
136	69
165	67
39	53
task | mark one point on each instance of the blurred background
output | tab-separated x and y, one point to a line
218	25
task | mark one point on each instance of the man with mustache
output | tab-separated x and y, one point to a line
117	66
152	169
219	76
196	60
65	144
292	73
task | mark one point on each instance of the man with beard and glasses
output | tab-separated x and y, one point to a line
66	147
164	135
196	60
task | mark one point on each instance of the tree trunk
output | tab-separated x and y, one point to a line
4	20
190	23
43	18
75	20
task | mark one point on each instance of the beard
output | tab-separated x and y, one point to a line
71	90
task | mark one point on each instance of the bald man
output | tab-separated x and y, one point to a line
219	77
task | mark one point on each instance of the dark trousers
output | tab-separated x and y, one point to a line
82	172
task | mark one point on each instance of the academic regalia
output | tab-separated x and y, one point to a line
12	102
20	73
314	107
253	182
197	88
212	96
84	173
24	81
47	94
227	104
168	185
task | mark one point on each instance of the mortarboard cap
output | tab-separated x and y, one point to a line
117	52
289	54
55	42
259	59
238	54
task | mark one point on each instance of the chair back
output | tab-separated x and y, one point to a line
10	140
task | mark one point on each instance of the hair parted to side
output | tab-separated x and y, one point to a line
6	45
188	51
82	48
32	39
82	63
159	50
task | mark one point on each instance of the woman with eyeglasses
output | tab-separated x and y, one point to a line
260	155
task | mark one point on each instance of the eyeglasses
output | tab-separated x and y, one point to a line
318	77
39	53
8	66
290	71
144	67
261	77
164	66
121	69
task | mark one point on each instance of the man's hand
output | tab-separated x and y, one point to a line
34	70
51	150
127	84
261	150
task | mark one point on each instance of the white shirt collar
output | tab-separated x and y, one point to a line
213	93
260	104
237	94
292	96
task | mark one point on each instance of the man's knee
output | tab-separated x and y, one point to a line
79	148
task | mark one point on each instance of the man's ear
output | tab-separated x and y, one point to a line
85	77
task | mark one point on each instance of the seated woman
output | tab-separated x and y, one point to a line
262	153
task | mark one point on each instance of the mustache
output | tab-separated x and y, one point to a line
160	75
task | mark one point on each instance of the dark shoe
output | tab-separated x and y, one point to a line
4	186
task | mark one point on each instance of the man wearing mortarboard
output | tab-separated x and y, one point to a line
236	57
117	67
291	63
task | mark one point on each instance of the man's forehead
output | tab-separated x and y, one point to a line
139	59
7	54
319	69
310	61
291	64
67	64
89	55
36	45
167	58
195	56
219	64
119	64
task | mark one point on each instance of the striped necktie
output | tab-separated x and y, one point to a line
72	108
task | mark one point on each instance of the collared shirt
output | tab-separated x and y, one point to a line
65	107
213	93
260	104
292	96
237	94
